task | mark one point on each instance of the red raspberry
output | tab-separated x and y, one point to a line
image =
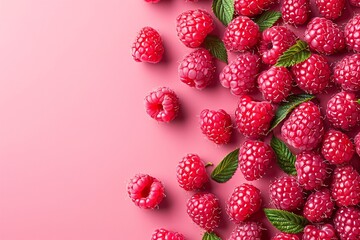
347	223
241	34
162	104
330	9
324	232
275	84
352	33
252	8
286	193
216	125
312	75
145	191
304	128
285	236
197	69
319	206
253	118
191	173
247	231
295	12
355	3
324	36
193	26
274	42
243	202
346	186
343	111
240	75
163	234
255	158
357	143
148	46
347	73
337	147
204	210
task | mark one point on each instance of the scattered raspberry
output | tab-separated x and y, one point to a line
347	72
352	33
285	236
324	232
191	173
295	12
347	223
216	125
148	46
357	143
247	231
252	8
163	234
355	3
319	206
330	9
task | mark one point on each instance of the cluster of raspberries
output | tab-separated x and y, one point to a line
326	189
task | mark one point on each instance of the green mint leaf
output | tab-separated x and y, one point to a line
223	10
285	158
226	168
286	222
267	19
297	53
210	236
216	47
358	101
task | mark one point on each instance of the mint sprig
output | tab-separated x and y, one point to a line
297	53
285	221
216	47
223	10
285	158
267	19
210	236
226	168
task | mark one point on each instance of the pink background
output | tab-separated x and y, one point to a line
73	128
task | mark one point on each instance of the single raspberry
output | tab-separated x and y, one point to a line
286	193
343	111
337	147
357	143
324	36
330	9
163	234
285	236
247	231
193	26
347	223
253	118
255	158
243	202
204	210
319	206
240	75
191	173
145	191
148	46
152	1
347	73
324	232
352	33
252	8
346	186
295	12
275	84
355	3
313	74
162	104
241	34
304	128
197	69
274	42
216	125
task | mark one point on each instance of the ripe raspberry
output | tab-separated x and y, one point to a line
193	26
241	34
162	104
347	73
191	173
240	75
324	36
252	8
197	69
255	158
204	210
285	236
216	125
163	234
304	128
247	231
319	206
357	143
275	41
243	202
343	111
355	3
324	232
148	46
286	193
253	118
347	223
145	191
330	9
337	147
352	33
346	186
295	12
312	75
275	84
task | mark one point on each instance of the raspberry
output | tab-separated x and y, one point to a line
255	158
162	104
324	232
240	75
253	118
275	84
286	193
252	8
241	34
304	128
193	26
243	202
247	231
357	143
312	75
347	223
295	12
216	125
145	191
352	33
274	42
152	1
346	186
197	69
163	234
330	9
319	206
347	73
191	173
355	3
343	111
337	147
148	46
285	236
324	36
